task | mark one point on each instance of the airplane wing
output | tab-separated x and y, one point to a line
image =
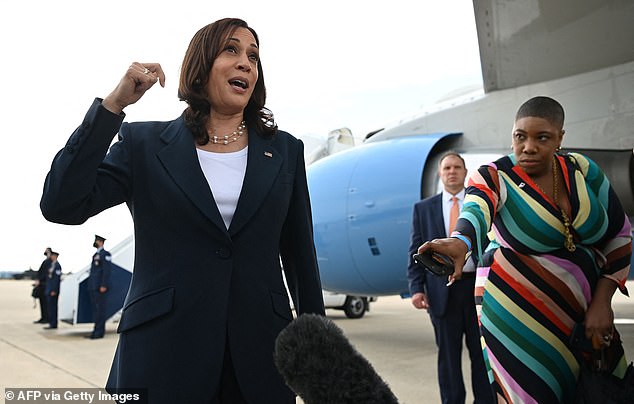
527	42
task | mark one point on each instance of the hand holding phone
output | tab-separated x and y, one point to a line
436	263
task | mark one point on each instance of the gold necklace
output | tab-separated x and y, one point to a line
234	136
568	242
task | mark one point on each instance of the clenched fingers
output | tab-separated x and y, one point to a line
146	73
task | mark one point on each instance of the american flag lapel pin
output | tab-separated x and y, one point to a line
268	154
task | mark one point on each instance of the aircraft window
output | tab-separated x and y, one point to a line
373	247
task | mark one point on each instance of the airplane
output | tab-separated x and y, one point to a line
577	51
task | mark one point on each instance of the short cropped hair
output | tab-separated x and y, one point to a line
451	153
542	107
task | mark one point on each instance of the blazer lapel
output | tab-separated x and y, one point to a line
181	162
263	166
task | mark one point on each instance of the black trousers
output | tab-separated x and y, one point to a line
43	307
52	310
228	389
98	312
460	321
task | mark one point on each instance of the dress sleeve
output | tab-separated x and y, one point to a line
480	206
616	245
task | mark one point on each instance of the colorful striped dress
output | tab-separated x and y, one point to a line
530	290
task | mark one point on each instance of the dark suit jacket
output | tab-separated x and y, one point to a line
42	273
100	270
196	285
427	224
53	278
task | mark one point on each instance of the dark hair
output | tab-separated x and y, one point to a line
542	107
203	50
451	153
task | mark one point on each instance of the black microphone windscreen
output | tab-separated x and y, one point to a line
321	366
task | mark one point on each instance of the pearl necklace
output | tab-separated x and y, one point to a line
234	136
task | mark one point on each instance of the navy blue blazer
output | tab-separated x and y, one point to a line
53	278
196	285
427	224
100	270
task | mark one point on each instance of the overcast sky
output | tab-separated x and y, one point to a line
327	64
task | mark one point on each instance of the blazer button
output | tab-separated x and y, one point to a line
223	253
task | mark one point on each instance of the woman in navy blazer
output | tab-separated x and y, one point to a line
207	298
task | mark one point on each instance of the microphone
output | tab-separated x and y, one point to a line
320	365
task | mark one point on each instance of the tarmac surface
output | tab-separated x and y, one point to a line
397	339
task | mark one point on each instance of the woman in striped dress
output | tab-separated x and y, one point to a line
561	246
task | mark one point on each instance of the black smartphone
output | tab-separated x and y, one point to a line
436	263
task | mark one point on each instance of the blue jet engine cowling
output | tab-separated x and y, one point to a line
362	200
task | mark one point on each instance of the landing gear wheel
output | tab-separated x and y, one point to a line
355	306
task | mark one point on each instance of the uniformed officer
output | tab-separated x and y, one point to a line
54	277
99	284
42	276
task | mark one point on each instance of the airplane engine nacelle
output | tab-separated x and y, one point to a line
362	200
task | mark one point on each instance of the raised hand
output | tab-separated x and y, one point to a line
451	247
139	78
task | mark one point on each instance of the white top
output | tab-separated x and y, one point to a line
225	174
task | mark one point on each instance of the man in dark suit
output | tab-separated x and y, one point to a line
99	284
53	281
42	275
451	308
